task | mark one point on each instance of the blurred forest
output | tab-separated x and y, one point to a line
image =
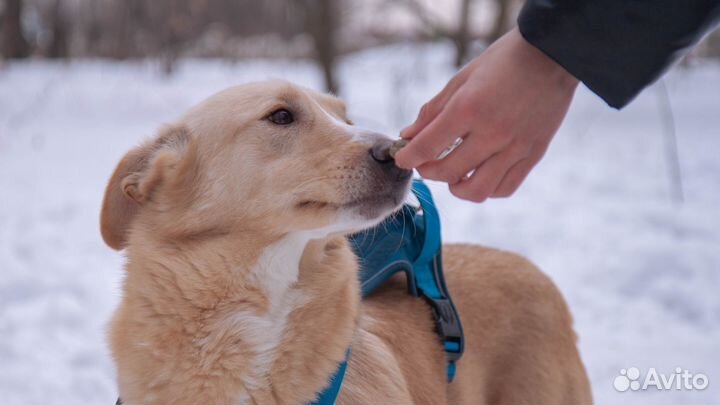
323	30
168	30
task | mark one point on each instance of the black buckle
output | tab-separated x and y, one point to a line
447	323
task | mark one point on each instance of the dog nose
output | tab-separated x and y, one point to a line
380	151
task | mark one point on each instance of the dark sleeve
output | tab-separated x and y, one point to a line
617	47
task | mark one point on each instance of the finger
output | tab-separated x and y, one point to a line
432	108
514	178
486	178
473	152
517	174
431	141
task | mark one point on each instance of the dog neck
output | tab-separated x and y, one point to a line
251	330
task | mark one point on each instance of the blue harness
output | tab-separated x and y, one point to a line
408	242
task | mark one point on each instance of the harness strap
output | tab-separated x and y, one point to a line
430	282
410	242
330	394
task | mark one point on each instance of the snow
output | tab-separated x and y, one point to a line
640	270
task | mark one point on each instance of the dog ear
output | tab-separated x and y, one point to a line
135	178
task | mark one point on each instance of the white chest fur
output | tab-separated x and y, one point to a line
275	273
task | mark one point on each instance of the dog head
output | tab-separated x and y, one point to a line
266	157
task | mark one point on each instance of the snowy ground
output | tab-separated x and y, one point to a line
641	272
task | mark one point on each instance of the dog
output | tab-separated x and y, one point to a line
241	287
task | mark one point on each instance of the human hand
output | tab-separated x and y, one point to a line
507	105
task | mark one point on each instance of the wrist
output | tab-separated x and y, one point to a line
540	63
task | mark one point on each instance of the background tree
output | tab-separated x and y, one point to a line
462	35
14	44
319	30
59	31
322	19
432	27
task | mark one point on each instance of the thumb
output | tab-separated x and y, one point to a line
432	108
429	143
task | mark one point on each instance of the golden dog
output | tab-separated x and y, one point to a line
242	289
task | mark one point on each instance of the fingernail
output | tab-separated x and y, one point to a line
401	163
405	133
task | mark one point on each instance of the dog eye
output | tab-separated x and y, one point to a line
281	117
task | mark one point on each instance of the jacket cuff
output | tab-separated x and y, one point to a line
615	47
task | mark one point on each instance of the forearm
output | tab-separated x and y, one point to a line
617	47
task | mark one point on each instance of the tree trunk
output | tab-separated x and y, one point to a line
322	18
462	37
59	26
14	44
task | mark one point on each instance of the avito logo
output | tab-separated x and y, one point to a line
680	380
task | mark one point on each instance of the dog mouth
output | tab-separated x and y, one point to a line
316	205
367	204
364	199
390	199
383	199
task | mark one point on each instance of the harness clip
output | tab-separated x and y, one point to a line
448	326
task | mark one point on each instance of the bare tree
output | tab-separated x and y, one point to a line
14	44
174	33
59	28
462	36
433	28
114	29
322	19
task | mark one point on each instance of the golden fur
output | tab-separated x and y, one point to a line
241	287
